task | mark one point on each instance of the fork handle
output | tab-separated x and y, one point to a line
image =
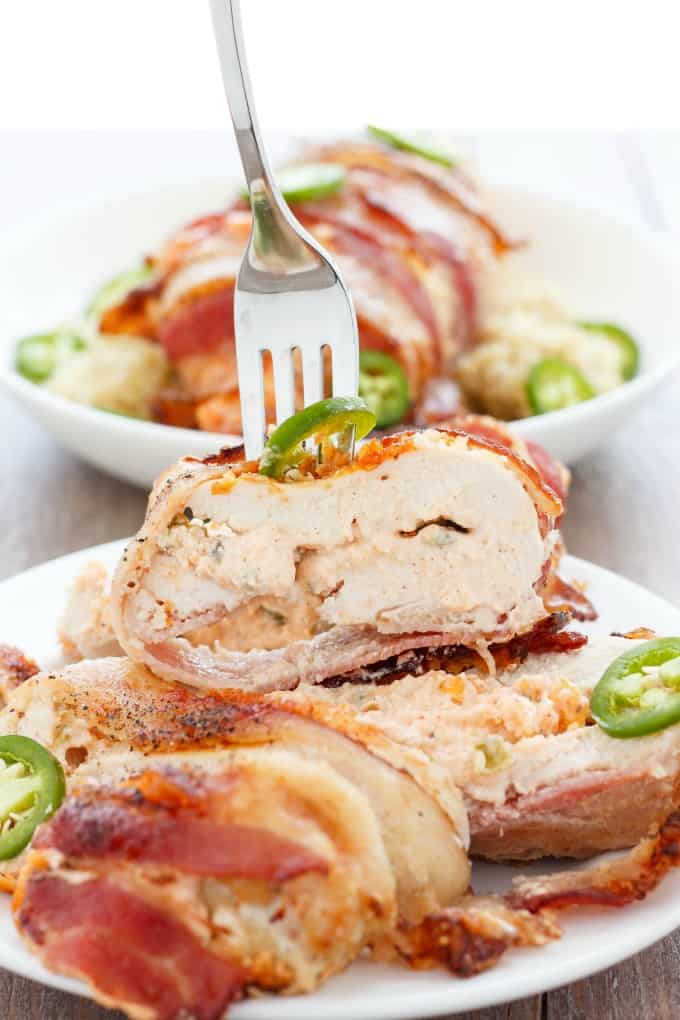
226	17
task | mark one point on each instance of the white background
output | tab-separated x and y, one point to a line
464	66
460	64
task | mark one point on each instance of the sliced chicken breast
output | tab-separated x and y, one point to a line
538	776
258	848
86	631
426	539
268	869
208	846
89	711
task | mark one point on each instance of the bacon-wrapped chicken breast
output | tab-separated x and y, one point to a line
539	777
412	241
431	539
112	706
209	848
222	844
445	317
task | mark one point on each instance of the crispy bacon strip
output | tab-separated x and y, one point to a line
553	473
560	595
190	235
452	187
639	633
472	936
125	708
132	953
132	315
201	325
463	281
441	401
367	248
384	660
575	816
428	243
15	669
173	407
417	231
612	884
546	636
77	920
126	826
69	926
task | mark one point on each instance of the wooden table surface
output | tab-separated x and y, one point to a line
624	507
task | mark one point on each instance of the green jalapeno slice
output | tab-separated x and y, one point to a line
38	356
639	692
318	421
32	787
628	349
420	144
554	384
308	182
384	387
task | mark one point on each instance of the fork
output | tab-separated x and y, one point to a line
289	295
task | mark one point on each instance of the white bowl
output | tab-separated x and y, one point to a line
609	270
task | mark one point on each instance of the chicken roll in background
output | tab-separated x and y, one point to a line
449	319
411	239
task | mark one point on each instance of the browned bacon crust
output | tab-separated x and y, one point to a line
116	858
176	823
578	816
123	709
165	968
559	595
137	956
471	938
454	188
389	264
612	884
15	668
270	861
546	636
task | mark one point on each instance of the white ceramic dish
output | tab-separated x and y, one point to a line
593	939
608	270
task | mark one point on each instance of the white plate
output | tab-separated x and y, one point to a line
593	939
608	269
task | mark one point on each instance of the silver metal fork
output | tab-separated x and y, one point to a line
289	295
